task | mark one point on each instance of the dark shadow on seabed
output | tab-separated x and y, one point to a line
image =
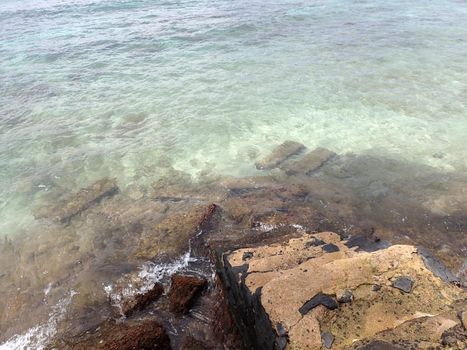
96	243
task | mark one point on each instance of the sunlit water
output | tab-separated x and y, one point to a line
109	88
121	88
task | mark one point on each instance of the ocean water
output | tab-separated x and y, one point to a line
115	87
126	88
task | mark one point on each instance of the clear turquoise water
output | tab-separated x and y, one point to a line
111	88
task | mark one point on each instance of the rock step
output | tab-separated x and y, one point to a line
309	163
298	295
279	154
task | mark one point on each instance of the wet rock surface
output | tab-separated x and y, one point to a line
80	201
279	155
141	300
182	292
141	335
117	245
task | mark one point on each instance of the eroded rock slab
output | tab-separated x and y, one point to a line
80	201
310	162
279	155
297	284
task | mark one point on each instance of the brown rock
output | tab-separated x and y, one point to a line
190	343
279	155
141	300
183	292
171	235
130	335
309	162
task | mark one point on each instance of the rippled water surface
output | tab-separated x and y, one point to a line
94	88
137	90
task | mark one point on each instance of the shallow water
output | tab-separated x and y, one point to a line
138	90
94	88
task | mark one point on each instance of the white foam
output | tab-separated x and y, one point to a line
37	337
150	274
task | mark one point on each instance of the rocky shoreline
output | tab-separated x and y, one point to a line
317	253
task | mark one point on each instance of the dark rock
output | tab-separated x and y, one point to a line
403	283
281	343
281	332
314	242
130	335
279	155
140	301
247	255
205	222
190	343
310	162
327	339
376	288
319	299
330	248
183	291
248	312
346	297
436	266
367	244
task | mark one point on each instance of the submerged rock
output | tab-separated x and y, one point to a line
183	292
310	162
129	335
172	234
140	300
80	201
279	155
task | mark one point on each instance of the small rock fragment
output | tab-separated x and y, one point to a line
281	332
183	291
247	255
327	339
279	154
319	299
281	343
345	297
314	242
330	248
403	283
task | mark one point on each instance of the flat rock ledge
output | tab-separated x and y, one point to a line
303	295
